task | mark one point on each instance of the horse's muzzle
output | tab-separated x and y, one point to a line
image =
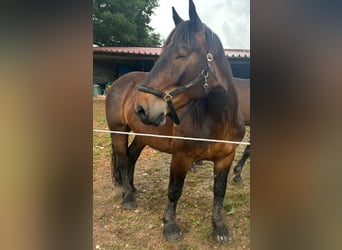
148	119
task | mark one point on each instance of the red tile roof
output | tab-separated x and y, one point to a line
156	51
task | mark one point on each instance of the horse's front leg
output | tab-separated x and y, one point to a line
178	170
221	170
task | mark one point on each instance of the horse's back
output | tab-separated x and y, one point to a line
125	84
119	96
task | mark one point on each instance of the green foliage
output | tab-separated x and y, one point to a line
124	23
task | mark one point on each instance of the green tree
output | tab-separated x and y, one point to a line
124	23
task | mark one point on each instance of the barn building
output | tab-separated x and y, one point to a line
111	62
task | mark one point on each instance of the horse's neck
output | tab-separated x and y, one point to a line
224	78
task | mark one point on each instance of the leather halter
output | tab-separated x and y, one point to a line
168	96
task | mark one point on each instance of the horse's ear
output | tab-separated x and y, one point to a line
176	18
195	21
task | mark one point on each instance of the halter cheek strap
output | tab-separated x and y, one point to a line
168	96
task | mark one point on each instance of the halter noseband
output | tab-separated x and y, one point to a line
168	96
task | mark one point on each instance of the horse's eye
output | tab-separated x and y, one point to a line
182	54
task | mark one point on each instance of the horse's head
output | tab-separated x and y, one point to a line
182	73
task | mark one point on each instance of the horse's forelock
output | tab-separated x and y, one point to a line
181	36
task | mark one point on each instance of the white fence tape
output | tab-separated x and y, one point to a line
170	137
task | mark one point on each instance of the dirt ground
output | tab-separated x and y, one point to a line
114	228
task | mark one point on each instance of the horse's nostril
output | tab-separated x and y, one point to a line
141	112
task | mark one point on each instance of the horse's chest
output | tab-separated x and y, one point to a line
219	150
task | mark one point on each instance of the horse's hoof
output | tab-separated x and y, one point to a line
128	200
172	232
131	204
237	179
221	234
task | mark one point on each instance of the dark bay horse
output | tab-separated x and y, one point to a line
243	90
189	92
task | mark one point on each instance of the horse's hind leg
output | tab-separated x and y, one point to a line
238	168
192	166
221	170
134	151
116	174
121	169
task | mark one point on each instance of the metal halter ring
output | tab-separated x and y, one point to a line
205	74
210	57
167	97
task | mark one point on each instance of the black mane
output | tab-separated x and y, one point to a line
202	111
